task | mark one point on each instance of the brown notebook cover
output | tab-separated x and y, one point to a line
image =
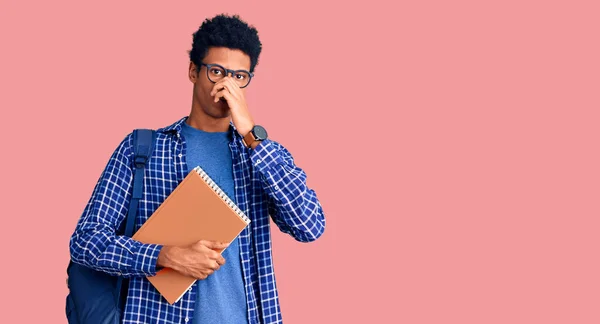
196	210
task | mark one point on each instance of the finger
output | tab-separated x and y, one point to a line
203	274
214	245
216	266
224	94
228	84
204	243
234	88
205	246
213	255
220	260
220	85
219	95
198	274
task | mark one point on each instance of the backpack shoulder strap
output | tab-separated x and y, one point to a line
143	146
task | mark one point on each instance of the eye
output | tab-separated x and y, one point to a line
216	71
240	76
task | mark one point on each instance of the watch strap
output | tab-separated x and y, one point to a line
249	139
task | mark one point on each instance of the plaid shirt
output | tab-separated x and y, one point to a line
267	182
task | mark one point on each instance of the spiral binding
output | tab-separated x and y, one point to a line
213	185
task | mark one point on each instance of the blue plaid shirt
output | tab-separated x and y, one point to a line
267	182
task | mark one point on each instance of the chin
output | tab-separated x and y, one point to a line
218	113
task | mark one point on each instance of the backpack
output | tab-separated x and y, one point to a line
96	297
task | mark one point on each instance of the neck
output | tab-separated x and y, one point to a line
206	123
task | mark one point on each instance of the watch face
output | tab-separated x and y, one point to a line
259	133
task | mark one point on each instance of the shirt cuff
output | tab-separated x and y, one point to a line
265	156
146	257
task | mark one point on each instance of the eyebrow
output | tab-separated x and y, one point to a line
242	69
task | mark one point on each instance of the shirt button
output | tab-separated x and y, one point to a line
276	187
187	319
180	155
258	161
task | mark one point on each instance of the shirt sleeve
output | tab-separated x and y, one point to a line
94	242
293	206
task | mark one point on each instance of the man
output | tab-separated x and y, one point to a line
258	173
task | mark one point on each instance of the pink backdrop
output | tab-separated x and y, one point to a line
453	145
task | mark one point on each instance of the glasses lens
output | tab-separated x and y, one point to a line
216	73
242	78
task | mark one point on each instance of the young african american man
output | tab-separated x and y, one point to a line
259	174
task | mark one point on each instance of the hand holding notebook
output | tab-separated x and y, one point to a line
198	260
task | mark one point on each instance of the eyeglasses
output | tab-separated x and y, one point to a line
216	72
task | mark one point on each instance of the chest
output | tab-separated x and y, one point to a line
173	159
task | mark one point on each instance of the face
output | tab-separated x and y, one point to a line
203	102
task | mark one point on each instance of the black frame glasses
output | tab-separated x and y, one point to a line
227	72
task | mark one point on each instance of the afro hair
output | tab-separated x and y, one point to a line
226	31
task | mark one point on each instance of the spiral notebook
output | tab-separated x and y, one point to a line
196	210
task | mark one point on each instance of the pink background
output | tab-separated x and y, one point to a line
453	145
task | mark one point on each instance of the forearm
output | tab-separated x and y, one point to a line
100	249
299	215
293	206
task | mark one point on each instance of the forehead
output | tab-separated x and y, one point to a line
233	59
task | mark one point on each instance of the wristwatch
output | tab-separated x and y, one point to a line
257	134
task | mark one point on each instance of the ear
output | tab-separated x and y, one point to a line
192	73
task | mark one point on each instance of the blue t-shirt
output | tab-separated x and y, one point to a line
221	298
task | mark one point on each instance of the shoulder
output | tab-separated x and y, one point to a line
127	145
124	149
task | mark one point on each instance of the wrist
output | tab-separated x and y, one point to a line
166	257
255	136
245	129
255	144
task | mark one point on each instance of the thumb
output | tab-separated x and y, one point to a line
213	245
